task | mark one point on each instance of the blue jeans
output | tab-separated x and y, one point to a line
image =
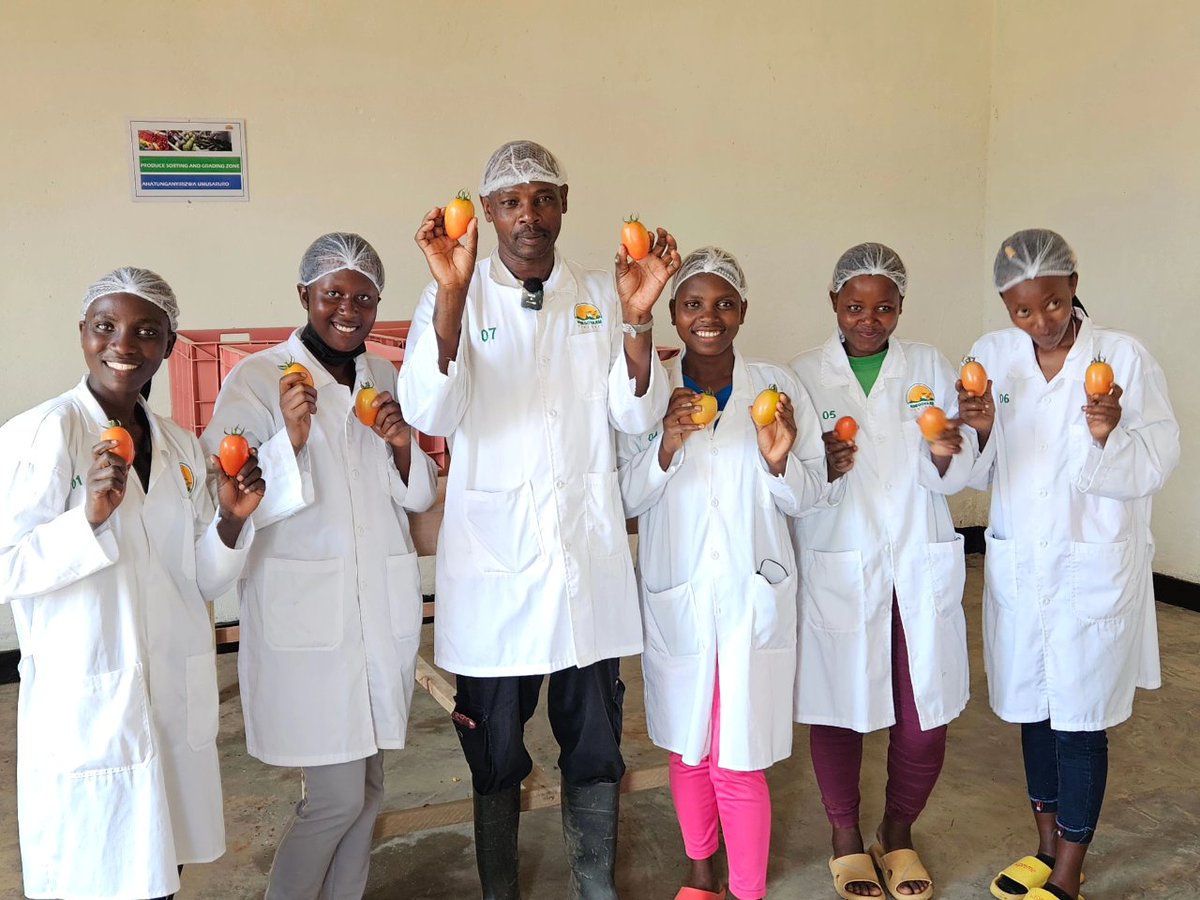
1066	772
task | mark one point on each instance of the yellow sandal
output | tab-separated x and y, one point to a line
900	866
851	869
1040	893
1028	871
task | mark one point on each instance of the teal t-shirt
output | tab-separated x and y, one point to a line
866	369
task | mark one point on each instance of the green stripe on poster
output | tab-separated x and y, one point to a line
182	163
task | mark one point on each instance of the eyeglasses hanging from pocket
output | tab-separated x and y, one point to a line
771	571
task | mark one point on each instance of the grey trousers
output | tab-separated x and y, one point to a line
326	851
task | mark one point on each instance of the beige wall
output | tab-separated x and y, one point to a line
1096	133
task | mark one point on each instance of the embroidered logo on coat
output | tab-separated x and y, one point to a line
588	317
189	480
919	396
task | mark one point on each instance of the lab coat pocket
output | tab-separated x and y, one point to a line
947	574
833	591
1000	571
202	700
605	517
774	607
95	724
503	524
590	363
670	618
1100	580
404	594
302	603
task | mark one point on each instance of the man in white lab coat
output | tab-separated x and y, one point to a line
530	363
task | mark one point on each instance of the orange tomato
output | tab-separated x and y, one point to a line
708	409
635	238
1098	379
458	215
932	423
765	405
124	448
974	377
845	429
234	452
362	404
291	367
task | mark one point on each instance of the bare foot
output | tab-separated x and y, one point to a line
848	841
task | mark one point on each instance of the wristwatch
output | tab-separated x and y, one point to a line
635	330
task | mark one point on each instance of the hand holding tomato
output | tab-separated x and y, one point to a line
239	494
776	438
839	455
389	421
977	411
678	425
105	483
451	262
949	442
1103	413
640	282
298	403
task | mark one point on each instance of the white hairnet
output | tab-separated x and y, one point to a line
139	282
337	251
1030	254
711	261
520	162
869	259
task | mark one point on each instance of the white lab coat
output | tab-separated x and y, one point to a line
331	601
1068	613
117	773
718	576
889	531
534	571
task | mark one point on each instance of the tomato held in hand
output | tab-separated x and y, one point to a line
974	377
114	432
707	411
291	367
845	429
458	215
932	423
765	405
234	452
1098	379
367	414
635	238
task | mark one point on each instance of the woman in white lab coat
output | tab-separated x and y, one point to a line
718	577
1069	626
882	637
107	566
331	602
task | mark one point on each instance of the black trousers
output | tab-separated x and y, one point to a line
585	709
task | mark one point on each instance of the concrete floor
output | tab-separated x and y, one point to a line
977	821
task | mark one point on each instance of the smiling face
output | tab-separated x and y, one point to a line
868	310
1041	307
124	340
341	308
707	312
527	218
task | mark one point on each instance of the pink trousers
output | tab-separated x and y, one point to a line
914	761
706	794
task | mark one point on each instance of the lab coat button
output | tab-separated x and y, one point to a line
360	530
567	546
554	413
713	451
716	555
716	503
354	473
888	485
1043	493
560	484
1041	543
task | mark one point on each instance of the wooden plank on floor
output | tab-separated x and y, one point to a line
537	792
439	688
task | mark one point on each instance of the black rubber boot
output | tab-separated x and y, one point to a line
496	819
590	830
